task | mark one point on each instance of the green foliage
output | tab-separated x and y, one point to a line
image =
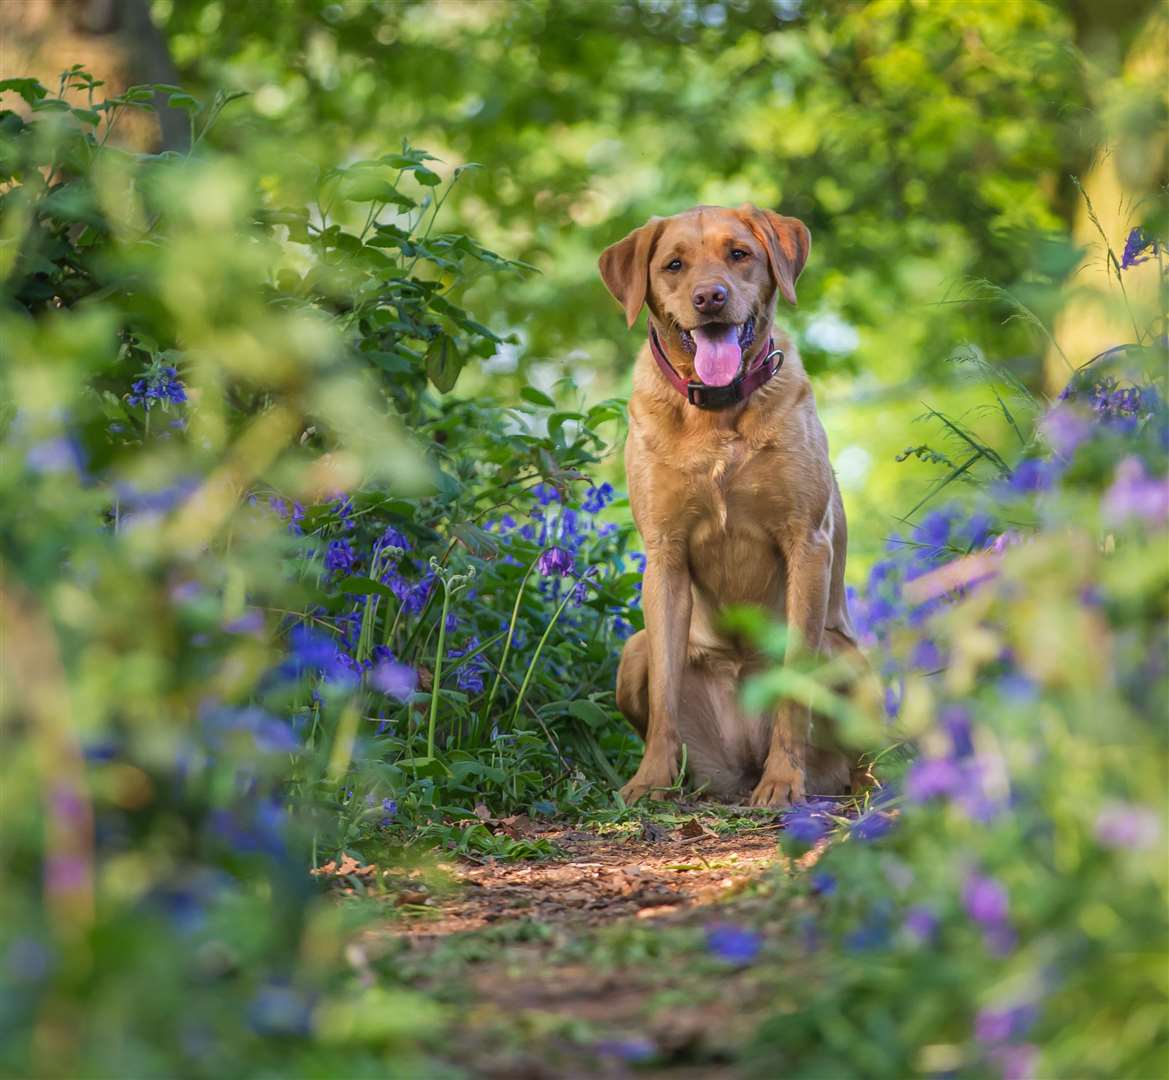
222	554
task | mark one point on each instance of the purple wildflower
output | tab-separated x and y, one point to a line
390	677
993	1026
1136	495
921	922
59	455
1065	429
1125	825
1031	475
931	778
555	560
985	900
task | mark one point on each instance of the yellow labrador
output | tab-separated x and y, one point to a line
735	499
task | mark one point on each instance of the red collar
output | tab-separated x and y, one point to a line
719	397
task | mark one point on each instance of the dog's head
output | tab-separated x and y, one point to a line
709	276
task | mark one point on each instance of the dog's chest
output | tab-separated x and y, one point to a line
726	487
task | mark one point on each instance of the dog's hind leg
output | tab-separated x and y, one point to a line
633	682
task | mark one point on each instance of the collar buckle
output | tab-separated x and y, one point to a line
715	397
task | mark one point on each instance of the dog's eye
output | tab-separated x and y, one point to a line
674	265
739	254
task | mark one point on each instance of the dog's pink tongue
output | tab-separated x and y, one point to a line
717	355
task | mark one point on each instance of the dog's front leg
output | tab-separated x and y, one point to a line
667	602
809	571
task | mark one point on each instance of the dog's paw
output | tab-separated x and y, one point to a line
654	781
779	790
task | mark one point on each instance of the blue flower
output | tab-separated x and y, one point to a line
392	678
60	455
395	538
632	1050
158	384
555	560
469	675
340	556
1031	475
314	652
597	498
546	494
822	884
389	810
931	778
1137	249
873	825
734	944
805	825
921	922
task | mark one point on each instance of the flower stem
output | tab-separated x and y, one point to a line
515	613
446	603
536	656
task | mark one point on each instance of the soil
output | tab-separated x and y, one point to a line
594	962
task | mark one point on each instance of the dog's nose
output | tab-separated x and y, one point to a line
709	298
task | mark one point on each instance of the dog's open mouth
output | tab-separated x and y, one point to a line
718	349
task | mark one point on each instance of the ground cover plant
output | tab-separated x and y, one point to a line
312	610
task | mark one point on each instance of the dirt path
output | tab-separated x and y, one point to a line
602	959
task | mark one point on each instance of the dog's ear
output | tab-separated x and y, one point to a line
787	241
625	267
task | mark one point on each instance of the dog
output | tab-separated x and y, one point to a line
736	502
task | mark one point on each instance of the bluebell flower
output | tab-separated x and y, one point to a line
1128	826
597	498
632	1050
931	778
1138	248
340	556
996	1025
921	922
395	538
389	810
160	384
280	1010
934	530
54	456
546	493
555	560
873	825
1031	475
822	884
985	900
734	944
805	824
390	677
926	656
469	675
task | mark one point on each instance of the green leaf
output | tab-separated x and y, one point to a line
184	101
29	89
363	586
537	397
477	541
443	363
